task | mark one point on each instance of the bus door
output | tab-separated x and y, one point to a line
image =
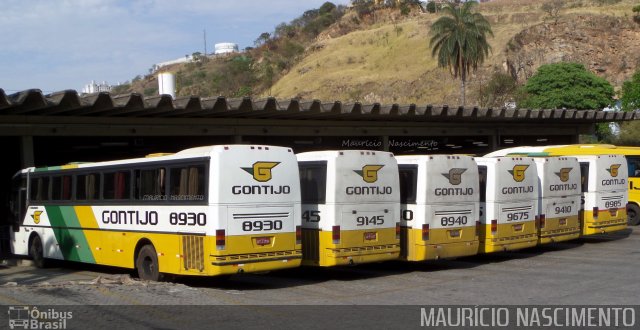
409	210
313	185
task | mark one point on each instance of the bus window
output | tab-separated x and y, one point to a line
187	183
482	174
116	185
40	189
61	188
87	187
150	184
634	166
408	183
584	176
313	181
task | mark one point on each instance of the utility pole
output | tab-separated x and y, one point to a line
205	42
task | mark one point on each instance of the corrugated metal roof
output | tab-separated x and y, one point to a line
69	103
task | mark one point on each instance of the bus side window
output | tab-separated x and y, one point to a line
584	176
408	183
482	174
633	164
187	183
61	188
40	189
117	185
313	182
150	184
87	187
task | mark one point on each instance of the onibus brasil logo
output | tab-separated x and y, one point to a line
25	317
564	173
261	171
455	175
369	173
518	172
613	170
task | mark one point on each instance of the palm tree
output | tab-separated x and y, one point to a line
459	39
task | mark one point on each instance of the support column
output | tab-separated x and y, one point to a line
26	151
237	139
385	142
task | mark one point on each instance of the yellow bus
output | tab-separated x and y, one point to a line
440	206
508	203
605	172
350	207
202	211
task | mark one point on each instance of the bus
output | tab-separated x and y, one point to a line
203	211
559	199
350	207
632	155
604	183
439	198
508	203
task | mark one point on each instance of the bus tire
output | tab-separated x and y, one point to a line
36	252
633	215
147	264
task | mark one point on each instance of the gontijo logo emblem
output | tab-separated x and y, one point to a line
564	174
518	172
261	171
36	216
613	170
369	173
455	175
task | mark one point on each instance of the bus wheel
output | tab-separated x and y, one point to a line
633	215
36	252
147	264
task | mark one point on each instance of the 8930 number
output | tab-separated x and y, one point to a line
262	225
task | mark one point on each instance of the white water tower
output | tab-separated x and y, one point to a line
167	84
225	48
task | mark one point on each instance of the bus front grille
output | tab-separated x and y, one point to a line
193	252
256	257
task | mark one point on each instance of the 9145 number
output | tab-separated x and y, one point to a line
375	220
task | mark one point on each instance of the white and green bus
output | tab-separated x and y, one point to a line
202	211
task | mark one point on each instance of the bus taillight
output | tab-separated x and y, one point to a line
478	228
397	230
595	212
543	221
220	239
298	235
494	227
335	234
425	232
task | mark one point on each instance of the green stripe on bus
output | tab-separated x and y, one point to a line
72	242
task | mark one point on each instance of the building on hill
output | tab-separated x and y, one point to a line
94	87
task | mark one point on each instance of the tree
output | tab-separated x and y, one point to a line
552	8
459	40
630	94
566	85
262	39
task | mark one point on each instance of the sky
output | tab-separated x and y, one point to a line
55	45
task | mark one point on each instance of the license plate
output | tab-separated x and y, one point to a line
613	212
370	236
263	241
517	227
454	233
563	222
